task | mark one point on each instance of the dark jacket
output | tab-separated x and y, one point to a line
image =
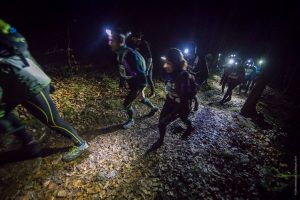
235	74
178	87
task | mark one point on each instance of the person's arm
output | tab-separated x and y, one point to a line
222	79
224	75
253	73
242	74
149	63
2	110
148	56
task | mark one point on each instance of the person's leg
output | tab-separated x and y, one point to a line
150	81
43	108
223	86
229	96
188	124
248	85
167	116
226	94
223	83
16	123
184	116
127	105
196	102
230	89
253	83
148	103
30	146
242	86
18	128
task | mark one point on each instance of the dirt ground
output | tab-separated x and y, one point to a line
226	157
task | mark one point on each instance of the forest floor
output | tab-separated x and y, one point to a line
226	157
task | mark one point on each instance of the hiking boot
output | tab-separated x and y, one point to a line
128	124
187	133
153	111
156	145
75	152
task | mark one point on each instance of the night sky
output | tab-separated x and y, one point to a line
252	29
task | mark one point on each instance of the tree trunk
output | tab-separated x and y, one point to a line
249	108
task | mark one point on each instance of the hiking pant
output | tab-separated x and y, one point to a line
170	112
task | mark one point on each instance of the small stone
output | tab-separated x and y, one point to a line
143	126
51	186
46	183
62	193
91	191
49	197
76	183
111	174
100	176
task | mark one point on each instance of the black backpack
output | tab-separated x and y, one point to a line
193	86
14	44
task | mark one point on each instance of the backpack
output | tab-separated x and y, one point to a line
14	44
138	57
193	86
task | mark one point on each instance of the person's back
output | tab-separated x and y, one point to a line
250	72
236	74
143	47
132	67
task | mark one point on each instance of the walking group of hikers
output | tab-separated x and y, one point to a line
23	82
237	73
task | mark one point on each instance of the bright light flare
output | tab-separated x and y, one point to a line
231	61
108	32
128	34
186	51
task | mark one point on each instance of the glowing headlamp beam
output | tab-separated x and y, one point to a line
231	61
186	50
108	32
